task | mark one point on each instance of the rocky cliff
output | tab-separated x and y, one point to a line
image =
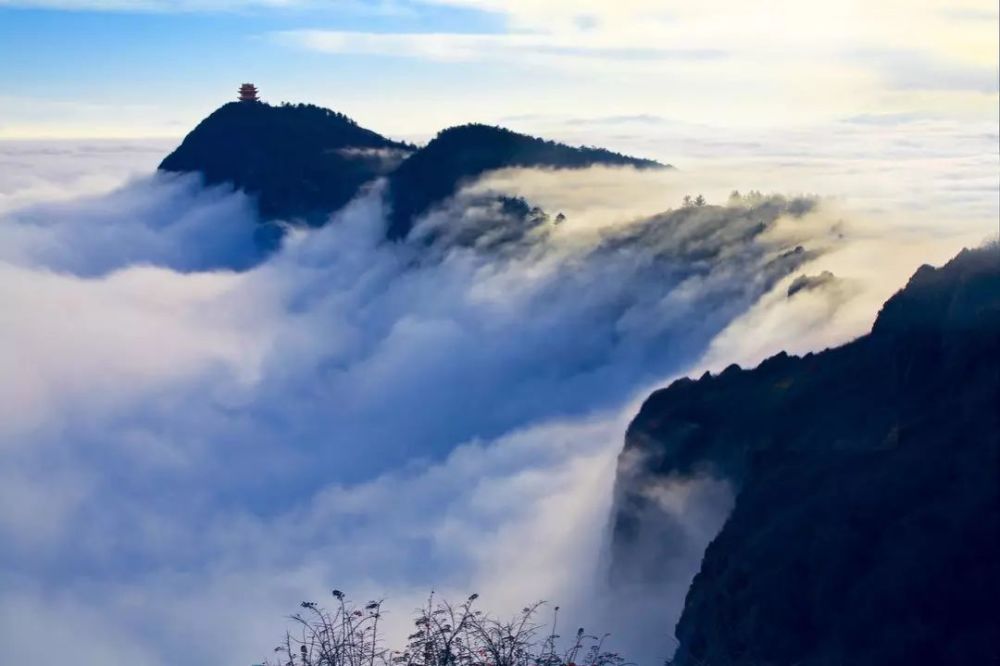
866	525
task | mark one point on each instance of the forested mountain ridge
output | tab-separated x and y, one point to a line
302	163
462	153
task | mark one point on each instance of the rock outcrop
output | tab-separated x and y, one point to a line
866	525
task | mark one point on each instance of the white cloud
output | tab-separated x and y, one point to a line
937	173
34	628
379	416
83	347
961	29
525	48
47	171
734	63
165	219
773	64
199	451
767	32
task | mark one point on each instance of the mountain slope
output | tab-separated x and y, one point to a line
865	529
302	162
462	153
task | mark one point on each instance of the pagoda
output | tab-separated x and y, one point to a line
248	93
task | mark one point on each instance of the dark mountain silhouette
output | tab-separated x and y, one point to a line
301	162
866	528
460	154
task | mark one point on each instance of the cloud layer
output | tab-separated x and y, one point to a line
190	445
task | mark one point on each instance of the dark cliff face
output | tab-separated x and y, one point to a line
866	526
301	162
461	154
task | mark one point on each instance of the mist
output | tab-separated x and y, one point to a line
195	437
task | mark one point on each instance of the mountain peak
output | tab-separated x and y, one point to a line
461	153
301	161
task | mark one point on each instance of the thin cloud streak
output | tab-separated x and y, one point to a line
529	48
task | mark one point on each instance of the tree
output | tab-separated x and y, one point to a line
699	201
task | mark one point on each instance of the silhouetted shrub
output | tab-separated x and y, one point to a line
444	635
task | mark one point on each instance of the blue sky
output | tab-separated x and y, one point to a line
408	67
170	65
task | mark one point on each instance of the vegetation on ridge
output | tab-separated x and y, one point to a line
459	154
299	161
444	635
303	162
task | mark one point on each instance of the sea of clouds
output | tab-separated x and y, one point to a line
194	437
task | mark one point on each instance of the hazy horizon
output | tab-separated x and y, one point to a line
137	68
